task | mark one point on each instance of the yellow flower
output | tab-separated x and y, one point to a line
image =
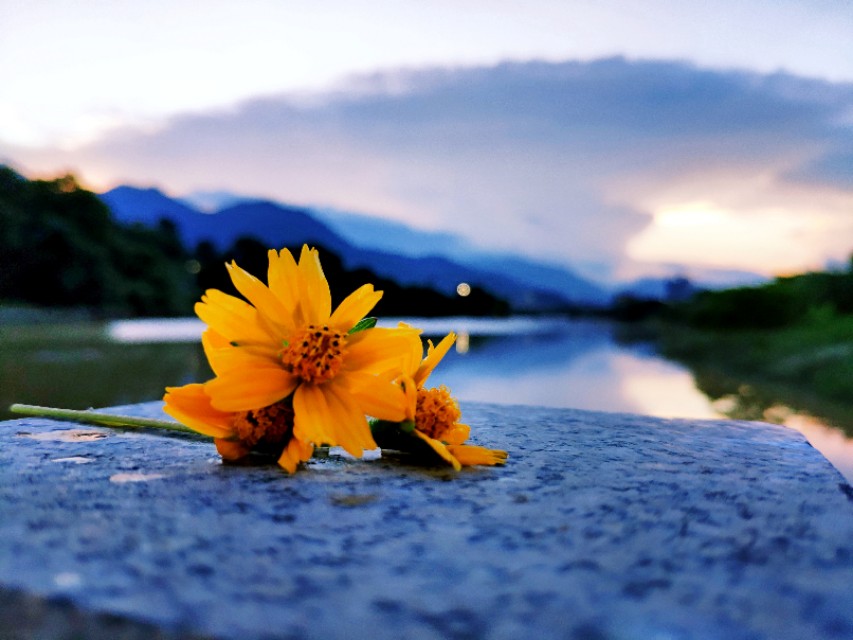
285	349
236	434
435	413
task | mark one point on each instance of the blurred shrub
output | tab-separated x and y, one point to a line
62	248
809	297
397	300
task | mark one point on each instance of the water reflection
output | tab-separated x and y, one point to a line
830	441
557	363
580	367
79	366
831	433
583	365
661	388
553	363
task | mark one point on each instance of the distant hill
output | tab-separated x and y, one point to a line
370	232
258	218
552	280
527	285
146	206
665	289
677	288
212	201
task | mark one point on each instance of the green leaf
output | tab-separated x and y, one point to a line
363	324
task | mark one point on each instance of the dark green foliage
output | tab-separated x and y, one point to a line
795	331
62	248
760	307
831	290
782	303
397	300
628	308
814	357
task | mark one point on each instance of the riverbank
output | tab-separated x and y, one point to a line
19	315
809	364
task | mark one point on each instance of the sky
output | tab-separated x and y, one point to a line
622	139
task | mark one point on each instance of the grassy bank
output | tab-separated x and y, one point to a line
808	365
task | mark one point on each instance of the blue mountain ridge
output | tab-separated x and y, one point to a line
369	232
391	237
528	286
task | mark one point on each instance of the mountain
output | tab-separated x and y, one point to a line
145	206
373	233
212	201
542	275
528	286
275	223
680	287
370	232
673	289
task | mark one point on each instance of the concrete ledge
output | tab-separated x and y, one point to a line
601	526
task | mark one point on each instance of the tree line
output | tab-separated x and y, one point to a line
62	248
784	302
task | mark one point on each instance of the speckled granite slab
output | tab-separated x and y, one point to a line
601	526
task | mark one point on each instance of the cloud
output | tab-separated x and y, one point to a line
572	161
834	168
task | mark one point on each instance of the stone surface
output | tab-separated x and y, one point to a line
601	526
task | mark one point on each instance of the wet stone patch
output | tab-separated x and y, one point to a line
600	526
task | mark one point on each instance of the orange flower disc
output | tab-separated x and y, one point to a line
437	412
315	354
270	425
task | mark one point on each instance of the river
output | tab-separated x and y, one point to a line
548	362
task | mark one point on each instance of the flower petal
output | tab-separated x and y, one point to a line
412	358
354	307
294	453
457	434
213	340
469	455
222	356
352	431
312	421
378	396
231	449
190	405
234	319
440	449
326	414
283	278
264	300
379	349
314	296
245	388
434	356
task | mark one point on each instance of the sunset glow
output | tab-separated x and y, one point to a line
770	242
692	216
618	143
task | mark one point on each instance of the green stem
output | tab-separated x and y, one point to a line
99	417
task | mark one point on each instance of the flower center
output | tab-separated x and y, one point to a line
436	412
269	426
315	354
